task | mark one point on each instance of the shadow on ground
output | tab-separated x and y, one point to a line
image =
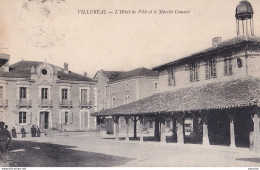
35	154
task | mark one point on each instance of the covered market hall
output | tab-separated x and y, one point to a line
223	113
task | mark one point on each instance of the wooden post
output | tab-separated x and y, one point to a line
98	126
141	119
180	132
135	133
116	120
163	136
256	120
127	128
195	126
156	128
205	138
232	129
174	135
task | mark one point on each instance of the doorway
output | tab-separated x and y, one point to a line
44	120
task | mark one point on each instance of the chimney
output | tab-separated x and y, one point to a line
6	66
216	41
85	74
66	68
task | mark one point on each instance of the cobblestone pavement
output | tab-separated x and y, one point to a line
89	150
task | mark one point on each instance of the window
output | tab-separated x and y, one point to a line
44	71
171	77
44	93
1	92
126	87
22	92
113	102
64	94
84	95
155	86
66	117
211	71
239	63
127	99
22	117
194	72
227	66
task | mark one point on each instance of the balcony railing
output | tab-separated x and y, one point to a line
23	103
85	104
45	103
3	103
65	103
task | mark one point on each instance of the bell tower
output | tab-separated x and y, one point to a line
244	18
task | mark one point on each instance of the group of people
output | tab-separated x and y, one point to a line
35	132
5	141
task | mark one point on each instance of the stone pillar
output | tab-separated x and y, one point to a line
116	120
174	135
127	128
195	126
205	138
98	126
232	129
256	119
141	125
163	127
156	128
180	132
135	133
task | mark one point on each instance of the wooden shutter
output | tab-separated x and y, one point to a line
230	66
225	66
196	67
62	117
16	117
28	117
169	77
207	70
214	68
191	73
71	117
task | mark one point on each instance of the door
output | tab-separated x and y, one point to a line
44	120
84	120
109	126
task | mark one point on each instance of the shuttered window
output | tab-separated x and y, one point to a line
84	95
44	93
171	77
194	72
22	92
1	92
211	70
22	117
64	94
227	66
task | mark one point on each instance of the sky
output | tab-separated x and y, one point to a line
53	30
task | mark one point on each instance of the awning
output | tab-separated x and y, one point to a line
218	95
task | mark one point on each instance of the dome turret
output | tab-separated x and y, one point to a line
244	18
244	10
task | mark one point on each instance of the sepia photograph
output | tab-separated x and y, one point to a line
113	83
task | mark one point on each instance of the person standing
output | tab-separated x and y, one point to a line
38	131
5	141
23	132
14	133
32	131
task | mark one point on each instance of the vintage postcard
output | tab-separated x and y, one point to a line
141	83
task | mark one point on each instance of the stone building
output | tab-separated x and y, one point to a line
116	88
216	89
44	95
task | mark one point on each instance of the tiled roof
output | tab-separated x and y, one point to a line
234	45
22	69
218	95
136	72
112	74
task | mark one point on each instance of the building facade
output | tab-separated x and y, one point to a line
41	94
212	97
116	88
